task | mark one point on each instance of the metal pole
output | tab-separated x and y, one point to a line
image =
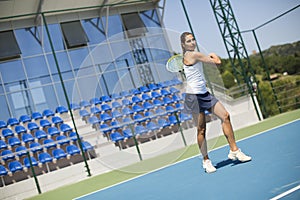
33	173
136	142
66	96
180	128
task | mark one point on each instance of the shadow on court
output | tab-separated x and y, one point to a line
228	162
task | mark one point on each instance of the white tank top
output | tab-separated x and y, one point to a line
195	80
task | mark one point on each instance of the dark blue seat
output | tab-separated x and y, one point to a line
86	146
35	147
52	131
105	108
73	136
105	128
26	137
134	91
57	120
65	128
126	102
3	171
36	116
158	102
160	112
45	157
61	109
116	105
7	132
84	104
94	120
136	100
48	113
105	98
14	141
173	90
7	155
153	86
162	122
127	133
84	113
164	92
176	98
125	94
152	126
12	121
26	162
116	137
179	106
25	118
185	117
40	134
148	106
140	130
49	143
173	119
137	108
72	149
95	110
170	109
62	140
45	123
115	125
32	126
116	114
139	118
167	100
74	106
105	117
20	129
95	101
59	154
127	111
146	97
116	96
144	89
2	124
155	95
15	166
3	144
127	121
21	151
150	115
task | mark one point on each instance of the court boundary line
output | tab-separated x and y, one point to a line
290	191
186	159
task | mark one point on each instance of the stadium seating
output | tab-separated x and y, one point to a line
12	121
61	109
25	118
36	116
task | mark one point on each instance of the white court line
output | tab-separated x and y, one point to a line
286	193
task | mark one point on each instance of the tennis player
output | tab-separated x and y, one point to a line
198	99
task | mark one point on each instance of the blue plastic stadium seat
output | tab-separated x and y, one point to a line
3	145
62	140
35	147
146	97
57	120
94	120
126	102
26	137
72	149
179	106
105	128
45	123
49	143
125	94
173	90
116	137
45	157
86	146
185	117
127	120
116	96
176	98
25	118
26	162
167	100
153	86
95	110
137	109
160	112
164	92
36	116
32	126
7	132
170	109
116	114
144	89
52	131
134	91
157	102
115	125
105	117
14	166
14	141
3	171
84	104
40	134
139	118
20	129
127	133
173	119
74	106
21	151
162	122
152	126
84	113
95	101
7	155
150	115
105	98
73	136
59	154
116	105
105	108
12	121
48	113
148	106
61	109
2	124
127	111
136	100
65	128
140	130
155	95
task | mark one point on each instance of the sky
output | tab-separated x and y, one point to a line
249	15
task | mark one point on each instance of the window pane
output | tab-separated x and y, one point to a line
36	66
80	58
9	47
150	18
12	71
114	25
56	38
4	114
94	30
74	34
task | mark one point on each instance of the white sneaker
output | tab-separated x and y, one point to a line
207	165
239	155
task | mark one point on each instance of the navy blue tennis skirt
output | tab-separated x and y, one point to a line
196	103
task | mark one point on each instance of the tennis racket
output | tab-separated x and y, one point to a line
175	64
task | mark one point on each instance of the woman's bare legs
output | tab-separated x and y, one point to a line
201	128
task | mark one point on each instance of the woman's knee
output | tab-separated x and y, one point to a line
201	130
226	117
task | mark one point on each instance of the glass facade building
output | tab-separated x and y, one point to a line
95	56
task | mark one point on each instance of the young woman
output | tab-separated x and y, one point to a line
198	99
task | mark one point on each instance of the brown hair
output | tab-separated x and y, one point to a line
182	40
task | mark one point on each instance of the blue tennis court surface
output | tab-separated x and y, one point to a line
274	170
